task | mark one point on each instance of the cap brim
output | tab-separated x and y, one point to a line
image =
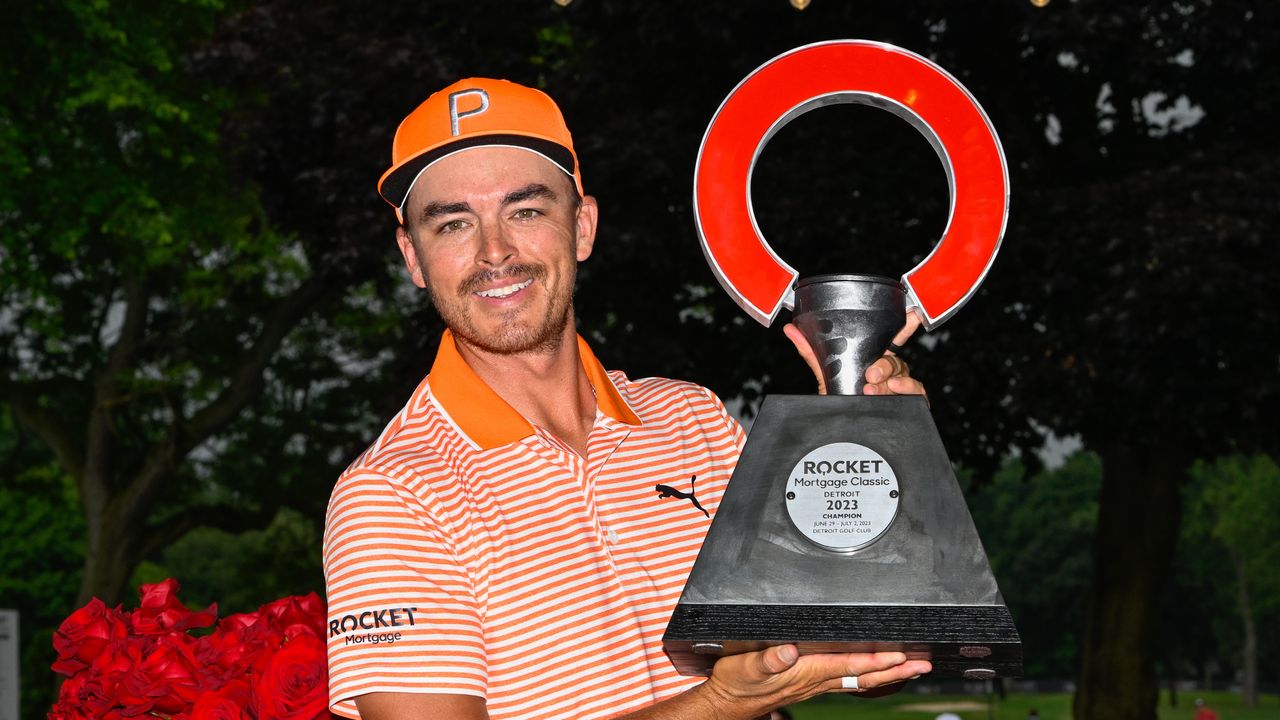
396	184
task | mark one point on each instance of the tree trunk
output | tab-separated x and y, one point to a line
111	554
1139	513
1249	656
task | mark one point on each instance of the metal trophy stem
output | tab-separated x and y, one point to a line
848	320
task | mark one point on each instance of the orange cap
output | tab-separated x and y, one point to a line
471	113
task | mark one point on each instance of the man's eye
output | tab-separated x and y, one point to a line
525	214
452	226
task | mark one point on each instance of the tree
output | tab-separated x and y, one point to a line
1036	530
1238	508
156	324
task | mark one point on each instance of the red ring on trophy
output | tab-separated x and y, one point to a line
869	73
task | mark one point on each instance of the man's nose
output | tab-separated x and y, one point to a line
496	247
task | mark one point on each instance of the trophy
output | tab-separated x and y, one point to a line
843	528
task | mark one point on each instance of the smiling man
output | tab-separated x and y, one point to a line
513	543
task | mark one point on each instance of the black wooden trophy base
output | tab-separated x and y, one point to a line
961	641
923	587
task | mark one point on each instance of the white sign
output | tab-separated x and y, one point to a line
8	665
842	496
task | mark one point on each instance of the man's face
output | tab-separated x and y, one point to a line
495	235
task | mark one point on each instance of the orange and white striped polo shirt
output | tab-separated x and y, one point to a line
468	551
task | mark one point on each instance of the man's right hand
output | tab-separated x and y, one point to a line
741	687
752	684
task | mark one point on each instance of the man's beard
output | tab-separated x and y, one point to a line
545	334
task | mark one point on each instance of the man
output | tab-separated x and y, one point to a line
500	551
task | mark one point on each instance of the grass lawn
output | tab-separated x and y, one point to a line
1054	706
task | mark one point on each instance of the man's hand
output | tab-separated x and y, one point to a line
752	684
741	687
887	376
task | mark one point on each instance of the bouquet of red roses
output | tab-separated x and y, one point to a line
264	665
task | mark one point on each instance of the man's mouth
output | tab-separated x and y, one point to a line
506	290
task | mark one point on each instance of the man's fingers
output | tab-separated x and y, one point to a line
754	682
893	676
835	666
882	690
906	386
908	329
802	346
778	659
863	663
880	670
889	366
881	371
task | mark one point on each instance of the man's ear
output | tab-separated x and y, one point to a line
588	215
410	253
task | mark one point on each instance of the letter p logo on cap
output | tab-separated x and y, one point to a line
455	115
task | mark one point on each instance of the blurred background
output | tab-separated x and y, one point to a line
203	317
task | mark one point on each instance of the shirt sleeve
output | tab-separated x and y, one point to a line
731	425
402	609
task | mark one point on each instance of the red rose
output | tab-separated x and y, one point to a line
293	684
267	665
297	615
84	695
117	659
239	621
226	651
161	612
165	680
237	691
82	636
241	642
66	711
71	711
228	703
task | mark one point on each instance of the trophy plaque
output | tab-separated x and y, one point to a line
843	528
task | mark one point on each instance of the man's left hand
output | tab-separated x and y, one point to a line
887	376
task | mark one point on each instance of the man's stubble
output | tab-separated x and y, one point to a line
544	336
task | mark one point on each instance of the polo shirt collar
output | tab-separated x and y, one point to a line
488	420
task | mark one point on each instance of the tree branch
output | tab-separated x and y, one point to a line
136	298
24	398
95	479
244	387
248	378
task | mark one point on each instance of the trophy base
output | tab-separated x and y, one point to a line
973	642
843	529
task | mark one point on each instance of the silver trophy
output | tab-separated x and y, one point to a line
843	528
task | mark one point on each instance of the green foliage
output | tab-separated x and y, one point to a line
1038	532
42	533
1231	535
556	49
907	705
116	179
242	571
1239	503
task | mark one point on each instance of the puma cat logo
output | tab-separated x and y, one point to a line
666	491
